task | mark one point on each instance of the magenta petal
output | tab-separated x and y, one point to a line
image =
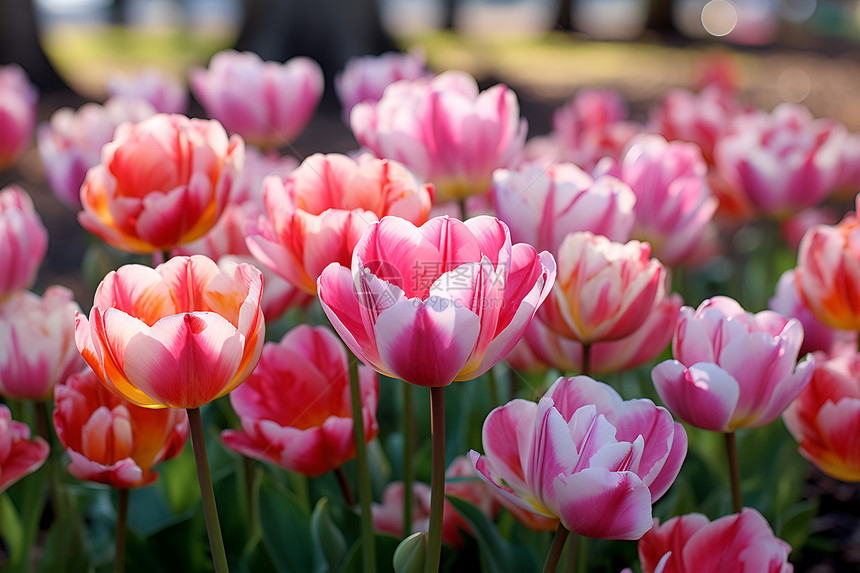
703	395
507	439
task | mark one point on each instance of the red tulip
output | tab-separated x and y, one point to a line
19	455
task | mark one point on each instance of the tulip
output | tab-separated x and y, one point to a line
793	228
438	303
162	182
541	206
605	290
673	206
71	142
387	516
444	131
316	215
267	103
825	418
584	456
742	542
37	344
732	369
817	336
163	92
783	162
295	407
19	455
110	440
827	274
23	241
365	78
178	336
17	113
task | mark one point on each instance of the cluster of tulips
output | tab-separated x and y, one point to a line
448	249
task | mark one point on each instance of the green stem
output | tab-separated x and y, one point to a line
586	360
408	449
121	529
555	551
734	472
437	479
365	496
45	432
494	390
345	489
207	494
463	210
250	496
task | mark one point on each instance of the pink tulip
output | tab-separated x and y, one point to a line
640	347
444	131
583	456
19	455
605	290
848	180
673	204
162	91
732	369
110	440
795	227
37	344
828	272
388	515
177	336
71	142
541	206
783	162
23	241
17	113
365	77
740	542
295	408
817	336
438	303
267	103
316	215
162	182
825	417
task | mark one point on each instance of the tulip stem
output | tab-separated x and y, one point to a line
121	529
463	211
251	502
408	450
365	495
586	359
45	433
555	550
734	472
437	478
494	390
345	489
207	494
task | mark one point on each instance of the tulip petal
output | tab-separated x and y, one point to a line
703	395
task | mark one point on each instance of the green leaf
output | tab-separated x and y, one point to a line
13	530
385	547
329	543
286	530
65	549
795	522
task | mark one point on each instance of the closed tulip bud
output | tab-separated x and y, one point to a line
23	241
365	78
164	92
17	113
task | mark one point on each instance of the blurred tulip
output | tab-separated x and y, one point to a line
828	272
267	103
295	407
162	91
316	215
782	162
23	241
793	228
19	455
848	181
817	336
37	343
109	439
388	515
17	113
177	336
365	78
542	205
584	456
825	418
740	542
71	142
438	303
444	131
604	290
673	204
732	369
162	182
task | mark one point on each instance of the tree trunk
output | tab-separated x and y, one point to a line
19	43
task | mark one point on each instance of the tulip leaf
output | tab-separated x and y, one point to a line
286	530
795	522
499	555
329	543
64	548
13	530
385	547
